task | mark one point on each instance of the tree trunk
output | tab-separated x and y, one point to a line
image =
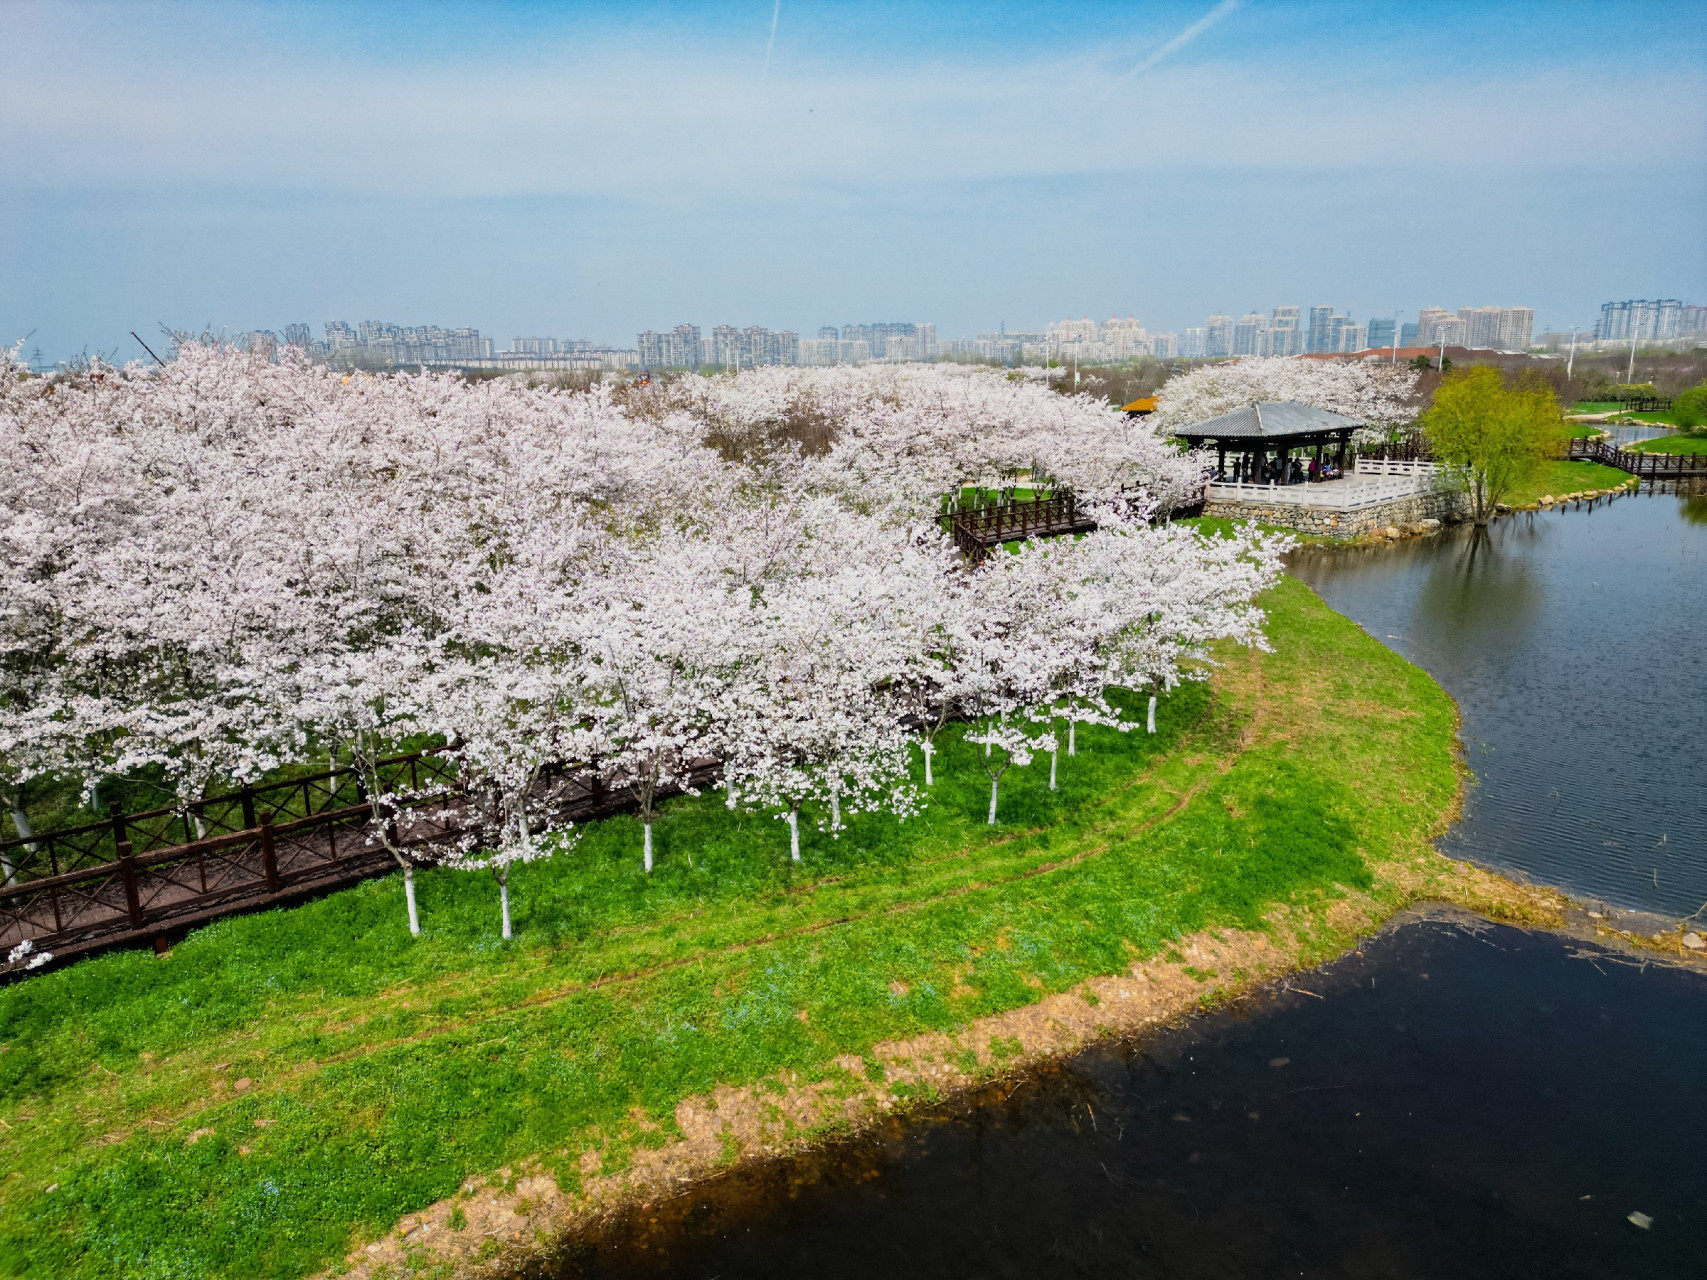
22	822
836	806
728	792
409	897
994	783
794	835
647	823
1072	737
1151	723
930	749
1054	759
504	898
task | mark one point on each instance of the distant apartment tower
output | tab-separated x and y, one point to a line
1438	327
339	335
1218	336
1320	335
1194	346
297	335
1382	332
1250	335
1284	336
1657	319
1501	328
677	349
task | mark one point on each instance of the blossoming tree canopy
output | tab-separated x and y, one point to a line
222	566
1382	395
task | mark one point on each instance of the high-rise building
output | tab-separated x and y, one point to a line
1382	332
339	335
1218	336
677	349
1642	318
1501	328
1250	335
1194	345
1409	335
1163	346
298	335
1437	325
926	335
1320	336
1350	337
829	331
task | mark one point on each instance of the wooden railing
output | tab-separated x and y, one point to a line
1646	466
67	849
140	893
978	528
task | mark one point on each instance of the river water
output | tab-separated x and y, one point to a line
1455	1099
1575	642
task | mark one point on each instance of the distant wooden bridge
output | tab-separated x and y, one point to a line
1645	466
976	529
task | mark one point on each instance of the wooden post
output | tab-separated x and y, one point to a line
117	816
269	859
132	898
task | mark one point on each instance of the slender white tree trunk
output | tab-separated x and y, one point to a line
794	835
647	823
22	822
1054	758
728	793
1072	737
994	783
504	898
930	750
836	806
409	897
1151	724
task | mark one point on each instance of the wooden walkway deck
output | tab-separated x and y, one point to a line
122	893
1646	466
978	529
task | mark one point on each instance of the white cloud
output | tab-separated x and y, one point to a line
620	119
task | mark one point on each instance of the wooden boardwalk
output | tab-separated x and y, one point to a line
1646	466
119	883
977	529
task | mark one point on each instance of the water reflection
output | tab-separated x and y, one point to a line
1571	640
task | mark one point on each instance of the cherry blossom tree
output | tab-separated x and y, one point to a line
1382	395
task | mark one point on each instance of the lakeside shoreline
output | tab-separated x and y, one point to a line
532	1221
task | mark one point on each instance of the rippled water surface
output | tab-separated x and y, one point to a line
1575	642
1452	1101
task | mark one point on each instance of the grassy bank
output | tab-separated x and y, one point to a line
1691	444
285	1084
1559	478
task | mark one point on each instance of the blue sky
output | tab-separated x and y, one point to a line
587	170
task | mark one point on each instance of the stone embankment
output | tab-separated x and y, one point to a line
1564	499
1414	513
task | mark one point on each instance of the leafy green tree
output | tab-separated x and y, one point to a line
1690	408
1494	433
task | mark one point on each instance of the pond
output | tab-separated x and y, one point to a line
1456	1099
1573	642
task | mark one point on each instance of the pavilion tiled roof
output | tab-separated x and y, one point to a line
1268	419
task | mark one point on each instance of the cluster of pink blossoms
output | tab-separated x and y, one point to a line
221	567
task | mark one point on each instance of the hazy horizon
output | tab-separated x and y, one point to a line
592	174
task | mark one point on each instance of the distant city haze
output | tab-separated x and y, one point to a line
594	173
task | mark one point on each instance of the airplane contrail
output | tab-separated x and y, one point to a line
771	43
1182	39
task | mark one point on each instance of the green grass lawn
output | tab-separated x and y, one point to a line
1559	478
283	1081
1672	444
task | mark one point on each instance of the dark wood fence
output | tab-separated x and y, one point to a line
978	528
124	882
1647	466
